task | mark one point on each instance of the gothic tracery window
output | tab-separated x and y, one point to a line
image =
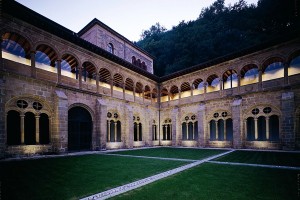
220	127
167	129
190	127
138	128
113	127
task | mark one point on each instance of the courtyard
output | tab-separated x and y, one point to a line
162	173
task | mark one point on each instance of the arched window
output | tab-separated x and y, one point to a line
190	128
138	129
110	48
147	92
29	128
230	79
13	128
69	66
221	127
129	86
118	83
139	90
274	128
174	93
45	58
250	129
133	60
113	127
198	87
164	95
249	74
167	129
213	83
104	78
16	48
272	69
44	129
294	67
185	90
154	131
89	73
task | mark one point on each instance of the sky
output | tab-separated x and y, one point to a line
127	17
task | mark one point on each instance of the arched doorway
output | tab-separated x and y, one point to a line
79	129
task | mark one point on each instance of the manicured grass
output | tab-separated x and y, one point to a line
263	157
212	181
166	152
74	177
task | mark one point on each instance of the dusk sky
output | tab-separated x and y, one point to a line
127	17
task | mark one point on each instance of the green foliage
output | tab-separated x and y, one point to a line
218	31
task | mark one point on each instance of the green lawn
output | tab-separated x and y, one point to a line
167	152
263	157
74	177
213	181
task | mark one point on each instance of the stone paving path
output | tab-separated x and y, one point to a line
255	165
130	186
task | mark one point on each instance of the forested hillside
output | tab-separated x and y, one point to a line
218	31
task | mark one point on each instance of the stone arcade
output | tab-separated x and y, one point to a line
95	90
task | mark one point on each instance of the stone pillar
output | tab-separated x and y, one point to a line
201	125
60	124
101	125
267	128
108	131
255	129
123	90
193	131
287	122
33	69
259	79
236	122
59	71
37	129
133	94
225	132
239	82
173	127
22	116
245	130
286	73
187	131
217	130
97	82
115	132
129	127
111	87
80	76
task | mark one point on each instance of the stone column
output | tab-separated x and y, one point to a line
173	130
267	128
60	124
187	131
239	82
201	125
123	91
115	132
133	94
193	131
129	129
225	131
236	122
245	130
22	116
286	73
217	130
255	129
102	135
59	71
80	76
108	131
287	120
37	129
137	132
33	69
111	87
259	79
97	82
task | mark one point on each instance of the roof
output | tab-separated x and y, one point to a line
95	21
